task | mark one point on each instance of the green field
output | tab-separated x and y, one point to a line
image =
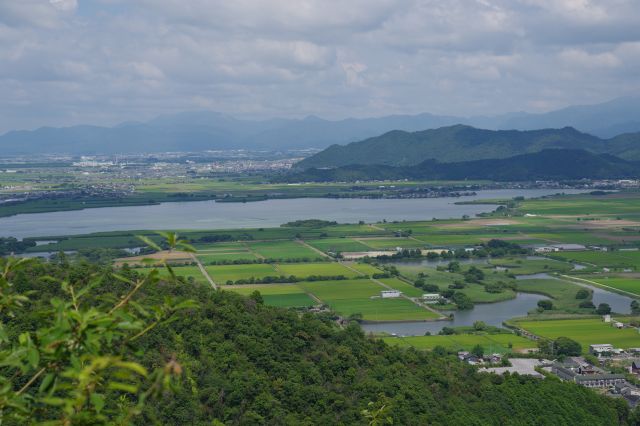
223	273
522	266
631	285
336	245
390	243
307	269
585	331
183	271
604	259
348	297
224	256
364	268
562	292
281	250
491	343
610	205
443	279
283	295
406	288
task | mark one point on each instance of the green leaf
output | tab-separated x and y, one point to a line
133	366
46	382
98	401
53	401
149	242
125	387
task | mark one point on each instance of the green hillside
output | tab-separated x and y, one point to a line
463	143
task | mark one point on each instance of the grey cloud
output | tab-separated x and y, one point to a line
104	61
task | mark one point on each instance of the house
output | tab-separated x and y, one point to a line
545	249
569	247
618	325
601	349
585	374
431	297
627	391
388	294
634	368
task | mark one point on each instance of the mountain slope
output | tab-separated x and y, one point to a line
463	143
206	130
549	164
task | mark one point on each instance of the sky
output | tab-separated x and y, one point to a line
67	62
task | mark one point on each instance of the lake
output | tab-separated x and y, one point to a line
491	313
213	215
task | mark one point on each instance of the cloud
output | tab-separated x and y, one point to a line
65	62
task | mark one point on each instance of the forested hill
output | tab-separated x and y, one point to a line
549	164
234	360
464	143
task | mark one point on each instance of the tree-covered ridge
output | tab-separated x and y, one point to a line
464	143
549	164
219	357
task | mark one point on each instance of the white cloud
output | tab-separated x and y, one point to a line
65	62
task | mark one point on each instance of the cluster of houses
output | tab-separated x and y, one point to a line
477	360
607	350
579	371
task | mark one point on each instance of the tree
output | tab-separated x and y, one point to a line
453	266
462	300
473	275
567	346
603	309
635	307
582	294
587	304
546	305
72	367
478	351
479	325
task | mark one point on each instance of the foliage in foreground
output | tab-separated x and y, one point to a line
108	349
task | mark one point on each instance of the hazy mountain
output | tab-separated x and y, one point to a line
549	164
203	130
464	143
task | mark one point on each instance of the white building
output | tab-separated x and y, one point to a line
430	297
387	294
601	349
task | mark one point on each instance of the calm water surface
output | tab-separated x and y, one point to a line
212	215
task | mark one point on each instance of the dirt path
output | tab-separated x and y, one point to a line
204	272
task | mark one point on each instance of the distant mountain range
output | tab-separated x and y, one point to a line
464	143
548	164
204	130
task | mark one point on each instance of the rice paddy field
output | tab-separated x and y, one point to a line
406	288
349	297
491	343
282	295
390	243
630	285
562	293
212	258
280	250
223	273
520	266
363	268
338	245
584	331
323	269
185	272
604	259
